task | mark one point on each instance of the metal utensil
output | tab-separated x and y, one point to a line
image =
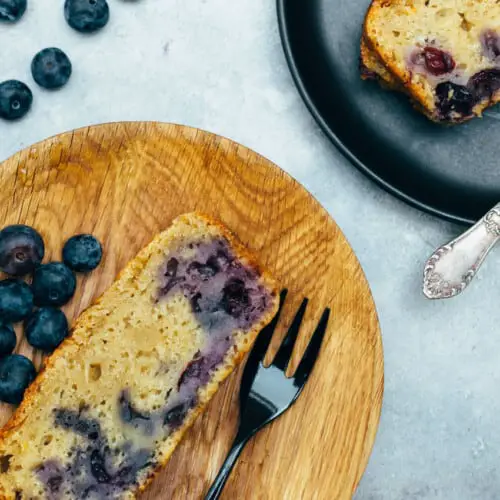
266	392
453	266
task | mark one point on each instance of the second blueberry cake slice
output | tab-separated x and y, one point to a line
115	399
444	53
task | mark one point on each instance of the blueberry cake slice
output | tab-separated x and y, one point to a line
444	53
371	67
116	397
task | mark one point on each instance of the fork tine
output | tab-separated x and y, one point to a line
311	354
285	351
261	345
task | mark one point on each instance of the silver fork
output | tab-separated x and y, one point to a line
266	392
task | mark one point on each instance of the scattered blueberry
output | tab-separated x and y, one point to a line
53	284
15	99
491	44
82	253
12	10
16	374
438	62
86	16
16	300
46	328
51	68
7	339
452	97
21	250
485	83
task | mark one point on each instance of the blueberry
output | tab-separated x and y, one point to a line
438	62
55	483
202	271
175	416
46	328
485	83
51	473
15	99
53	284
455	98
16	300
21	250
491	44
194	370
235	297
127	411
12	10
82	253
16	374
221	261
86	16
8	339
98	467
171	284
195	302
73	420
51	68
172	266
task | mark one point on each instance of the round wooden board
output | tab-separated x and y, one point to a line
124	183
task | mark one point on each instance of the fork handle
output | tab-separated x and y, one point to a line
218	485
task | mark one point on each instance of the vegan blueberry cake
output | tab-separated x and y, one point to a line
445	54
115	398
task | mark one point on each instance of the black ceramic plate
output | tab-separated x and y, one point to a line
453	172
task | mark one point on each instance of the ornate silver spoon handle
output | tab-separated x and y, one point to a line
451	267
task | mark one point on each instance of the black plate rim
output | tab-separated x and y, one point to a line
335	139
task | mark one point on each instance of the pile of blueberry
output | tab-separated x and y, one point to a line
51	67
37	304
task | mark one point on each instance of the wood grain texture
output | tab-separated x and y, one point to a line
124	183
